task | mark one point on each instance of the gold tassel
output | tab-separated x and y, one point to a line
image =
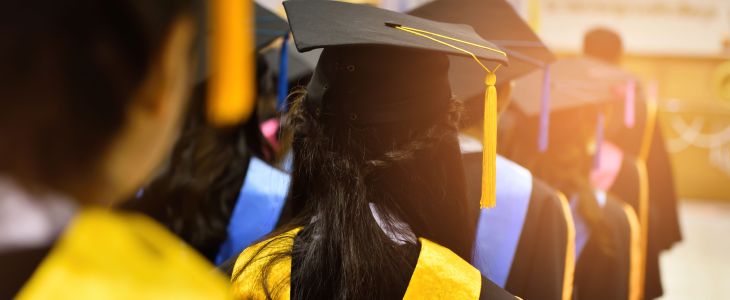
231	88
489	154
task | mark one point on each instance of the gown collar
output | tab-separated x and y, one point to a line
31	220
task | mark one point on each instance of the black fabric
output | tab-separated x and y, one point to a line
299	69
663	200
663	226
17	267
575	82
269	26
491	291
601	275
626	185
375	85
664	229
226	267
326	24
496	21
538	268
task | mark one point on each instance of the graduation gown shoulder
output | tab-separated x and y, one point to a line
540	252
438	274
108	255
545	260
601	275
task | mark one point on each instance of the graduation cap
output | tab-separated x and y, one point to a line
380	66
269	27
297	69
497	21
574	82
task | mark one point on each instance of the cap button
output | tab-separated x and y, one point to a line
491	79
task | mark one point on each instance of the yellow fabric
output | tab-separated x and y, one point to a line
108	255
635	283
643	215
231	97
247	281
439	273
488	196
643	209
569	273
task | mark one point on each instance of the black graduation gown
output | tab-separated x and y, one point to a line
17	268
663	225
599	275
540	261
538	267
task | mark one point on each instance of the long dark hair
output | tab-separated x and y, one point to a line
567	163
411	171
68	73
195	194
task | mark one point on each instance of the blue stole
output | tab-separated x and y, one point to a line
500	228
257	209
582	232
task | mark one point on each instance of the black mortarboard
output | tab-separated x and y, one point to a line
497	21
297	69
574	82
269	27
380	66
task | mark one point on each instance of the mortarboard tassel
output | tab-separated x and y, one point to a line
489	153
231	85
629	103
599	142
544	130
283	84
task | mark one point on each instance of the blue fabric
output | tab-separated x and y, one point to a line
283	84
582	231
257	209
500	228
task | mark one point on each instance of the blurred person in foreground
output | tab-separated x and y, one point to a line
94	93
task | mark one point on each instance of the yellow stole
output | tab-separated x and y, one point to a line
109	255
439	273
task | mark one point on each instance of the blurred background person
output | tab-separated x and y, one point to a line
641	145
581	91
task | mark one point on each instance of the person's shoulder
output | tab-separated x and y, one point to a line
269	259
105	254
550	200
